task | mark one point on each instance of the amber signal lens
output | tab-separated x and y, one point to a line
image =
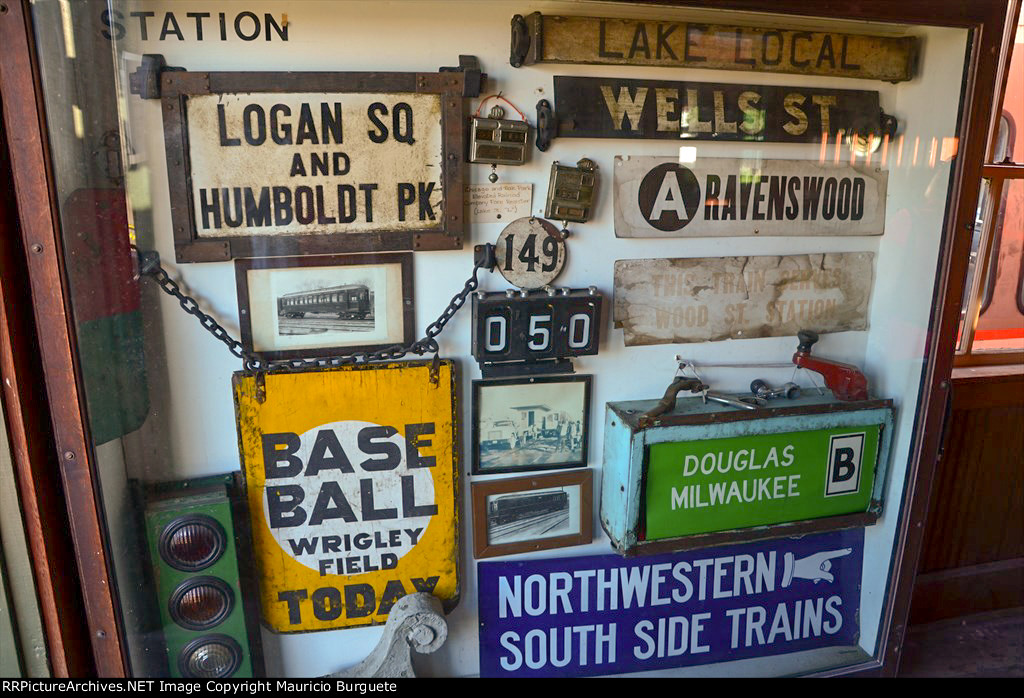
192	543
210	657
201	603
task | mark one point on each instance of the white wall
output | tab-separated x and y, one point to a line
423	35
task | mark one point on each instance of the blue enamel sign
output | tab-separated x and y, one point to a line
605	614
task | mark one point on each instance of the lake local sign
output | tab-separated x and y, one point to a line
703	299
662	197
605	614
662	109
351	490
539	38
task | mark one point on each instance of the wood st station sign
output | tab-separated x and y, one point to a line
350	480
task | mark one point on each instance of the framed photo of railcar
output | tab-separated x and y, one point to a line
321	305
533	423
525	514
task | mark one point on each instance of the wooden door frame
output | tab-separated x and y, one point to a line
66	430
40	229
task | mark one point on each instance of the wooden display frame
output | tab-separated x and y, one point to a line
482	547
406	309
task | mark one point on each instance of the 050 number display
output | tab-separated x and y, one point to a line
531	326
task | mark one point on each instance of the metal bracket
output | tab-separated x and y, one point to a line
484	257
514	369
145	81
148	261
547	125
475	79
520	41
887	124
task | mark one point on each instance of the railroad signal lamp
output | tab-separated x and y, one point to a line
193	542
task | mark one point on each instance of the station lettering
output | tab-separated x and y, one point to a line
194	26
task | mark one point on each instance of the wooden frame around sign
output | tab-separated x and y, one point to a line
177	86
245	311
480	385
482	490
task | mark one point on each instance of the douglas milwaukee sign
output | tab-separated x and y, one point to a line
605	614
661	197
721	484
350	484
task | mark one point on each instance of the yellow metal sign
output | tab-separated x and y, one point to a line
350	479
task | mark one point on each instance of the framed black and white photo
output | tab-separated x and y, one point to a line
537	423
295	307
525	514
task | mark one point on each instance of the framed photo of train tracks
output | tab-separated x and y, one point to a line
531	423
524	514
321	305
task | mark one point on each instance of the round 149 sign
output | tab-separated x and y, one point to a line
530	252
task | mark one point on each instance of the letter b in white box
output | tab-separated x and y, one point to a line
845	455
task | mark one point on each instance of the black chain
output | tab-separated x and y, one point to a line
150	267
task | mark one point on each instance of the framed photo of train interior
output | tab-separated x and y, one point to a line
525	514
534	423
321	305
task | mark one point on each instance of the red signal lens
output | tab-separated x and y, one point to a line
192	543
201	603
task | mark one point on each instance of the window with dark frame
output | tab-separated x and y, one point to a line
992	314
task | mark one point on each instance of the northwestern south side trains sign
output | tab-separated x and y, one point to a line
605	614
661	197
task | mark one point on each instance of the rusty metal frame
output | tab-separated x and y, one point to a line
177	86
23	109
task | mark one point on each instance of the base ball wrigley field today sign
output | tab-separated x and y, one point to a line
350	482
712	197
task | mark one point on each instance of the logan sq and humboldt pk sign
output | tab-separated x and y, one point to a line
267	164
351	491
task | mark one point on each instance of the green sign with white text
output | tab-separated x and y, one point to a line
722	484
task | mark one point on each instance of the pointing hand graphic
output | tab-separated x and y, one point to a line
813	567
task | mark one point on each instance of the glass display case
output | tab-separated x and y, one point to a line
261	213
